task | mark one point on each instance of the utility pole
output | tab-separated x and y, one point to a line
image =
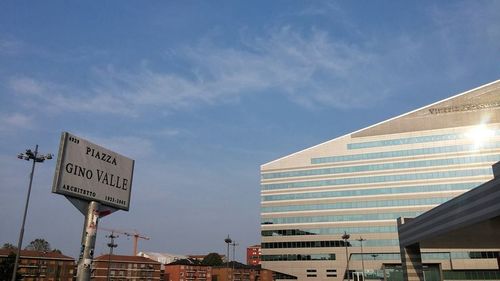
228	242
111	245
362	256
234	244
345	237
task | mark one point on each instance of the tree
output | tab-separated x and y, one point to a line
212	259
39	244
9	246
57	251
7	267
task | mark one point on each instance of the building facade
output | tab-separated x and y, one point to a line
181	271
43	266
240	272
121	268
253	255
360	183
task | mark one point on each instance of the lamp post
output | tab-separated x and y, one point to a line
234	244
345	237
37	158
111	245
362	256
228	242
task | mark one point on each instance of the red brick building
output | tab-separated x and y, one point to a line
187	270
240	272
123	268
43	266
253	255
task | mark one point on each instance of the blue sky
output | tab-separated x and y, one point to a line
201	93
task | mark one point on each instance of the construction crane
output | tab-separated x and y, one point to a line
136	235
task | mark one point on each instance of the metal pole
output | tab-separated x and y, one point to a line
88	242
111	246
346	237
234	259
347	266
21	233
362	256
232	270
228	241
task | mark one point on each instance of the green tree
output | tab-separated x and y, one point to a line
57	251
9	246
212	259
7	267
39	244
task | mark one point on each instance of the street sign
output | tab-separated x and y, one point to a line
90	172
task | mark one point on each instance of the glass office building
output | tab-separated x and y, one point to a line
360	183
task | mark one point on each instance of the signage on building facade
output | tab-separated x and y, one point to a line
465	107
90	172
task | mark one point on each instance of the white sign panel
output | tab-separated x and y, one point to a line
90	172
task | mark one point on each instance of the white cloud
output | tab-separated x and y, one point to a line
10	47
465	31
15	121
26	85
310	69
131	146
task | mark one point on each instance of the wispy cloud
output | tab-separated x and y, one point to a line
311	69
15	121
131	146
10	47
464	31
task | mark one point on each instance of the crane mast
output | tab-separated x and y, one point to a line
135	235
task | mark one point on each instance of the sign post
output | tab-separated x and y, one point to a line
97	181
88	242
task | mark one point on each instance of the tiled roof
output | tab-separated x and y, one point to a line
121	258
36	254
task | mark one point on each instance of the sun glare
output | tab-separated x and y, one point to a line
480	135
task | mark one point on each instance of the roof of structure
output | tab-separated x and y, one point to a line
123	258
36	254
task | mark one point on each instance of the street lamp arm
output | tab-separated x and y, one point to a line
28	155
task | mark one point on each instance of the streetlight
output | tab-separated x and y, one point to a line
111	245
234	244
228	242
37	158
362	256
345	237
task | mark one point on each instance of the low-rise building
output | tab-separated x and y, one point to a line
121	268
42	266
188	270
236	271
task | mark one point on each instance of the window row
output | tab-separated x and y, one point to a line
403	141
337	218
305	244
385	166
428	256
374	191
358	204
298	257
329	231
329	244
404	153
471	274
379	179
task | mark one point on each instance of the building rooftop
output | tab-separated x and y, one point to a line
36	254
122	258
